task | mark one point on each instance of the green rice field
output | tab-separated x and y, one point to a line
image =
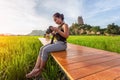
109	43
18	54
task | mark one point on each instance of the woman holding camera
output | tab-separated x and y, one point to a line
61	34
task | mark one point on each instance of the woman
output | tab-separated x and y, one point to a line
61	34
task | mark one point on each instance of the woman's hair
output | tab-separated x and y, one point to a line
58	15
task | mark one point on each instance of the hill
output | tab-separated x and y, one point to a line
36	33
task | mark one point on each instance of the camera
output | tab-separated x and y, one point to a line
48	31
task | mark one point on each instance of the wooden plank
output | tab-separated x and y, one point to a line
80	51
109	74
86	57
79	58
72	53
117	78
88	63
93	69
83	48
44	41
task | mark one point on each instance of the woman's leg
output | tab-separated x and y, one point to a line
45	52
37	65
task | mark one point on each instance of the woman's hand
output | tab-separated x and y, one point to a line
65	34
55	29
53	33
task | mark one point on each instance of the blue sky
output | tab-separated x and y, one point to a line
23	16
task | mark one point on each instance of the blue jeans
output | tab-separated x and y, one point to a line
46	49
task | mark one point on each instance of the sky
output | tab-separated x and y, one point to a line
23	16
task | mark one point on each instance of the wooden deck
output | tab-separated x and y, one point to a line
84	63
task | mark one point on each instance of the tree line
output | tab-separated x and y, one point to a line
82	29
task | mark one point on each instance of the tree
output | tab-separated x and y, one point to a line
95	29
87	27
78	29
74	29
102	31
113	29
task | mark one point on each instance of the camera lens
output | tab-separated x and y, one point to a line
49	30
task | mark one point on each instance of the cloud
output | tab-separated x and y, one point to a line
100	6
22	16
101	12
71	9
19	16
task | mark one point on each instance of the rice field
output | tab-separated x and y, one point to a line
18	54
109	43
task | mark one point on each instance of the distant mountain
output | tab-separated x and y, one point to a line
6	34
36	33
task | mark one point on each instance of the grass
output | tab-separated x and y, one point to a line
17	56
109	43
